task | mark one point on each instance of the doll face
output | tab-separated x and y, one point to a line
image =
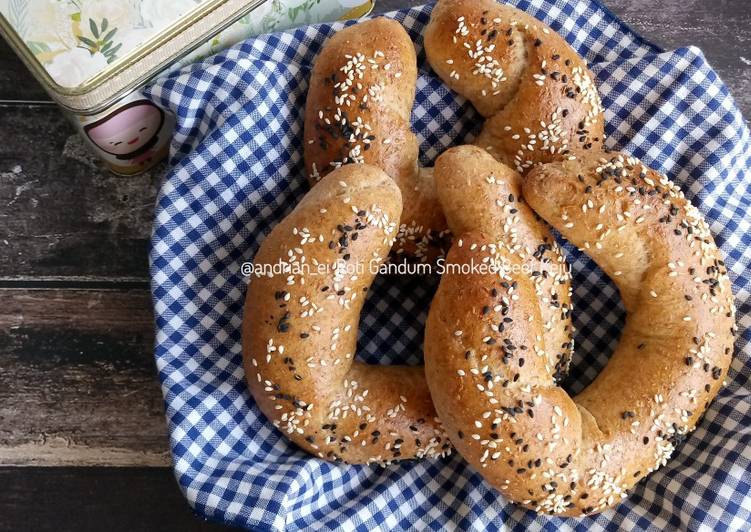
128	129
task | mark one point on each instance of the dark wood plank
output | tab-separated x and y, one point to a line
62	213
78	384
720	28
16	82
95	499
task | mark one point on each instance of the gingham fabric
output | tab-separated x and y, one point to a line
237	170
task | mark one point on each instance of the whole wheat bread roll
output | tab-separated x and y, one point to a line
300	329
493	388
480	194
535	92
358	108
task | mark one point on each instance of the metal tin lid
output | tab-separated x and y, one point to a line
88	54
102	50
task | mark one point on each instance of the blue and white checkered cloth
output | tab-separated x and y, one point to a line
237	170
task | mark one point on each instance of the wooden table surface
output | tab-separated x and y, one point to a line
83	442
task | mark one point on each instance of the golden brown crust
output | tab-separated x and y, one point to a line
540	447
300	329
481	194
537	94
358	111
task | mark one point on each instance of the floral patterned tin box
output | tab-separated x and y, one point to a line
93	56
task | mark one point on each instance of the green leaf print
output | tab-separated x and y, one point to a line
37	47
100	41
93	47
111	54
108	38
294	12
